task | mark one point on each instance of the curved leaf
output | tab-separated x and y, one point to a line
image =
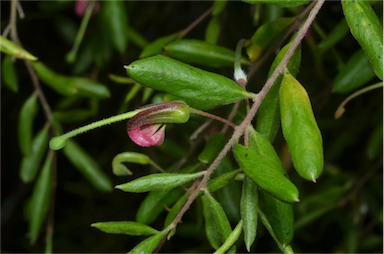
125	228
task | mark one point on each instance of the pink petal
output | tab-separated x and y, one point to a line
149	135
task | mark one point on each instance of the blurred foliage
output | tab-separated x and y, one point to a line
342	212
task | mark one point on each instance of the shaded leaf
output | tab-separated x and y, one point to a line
125	228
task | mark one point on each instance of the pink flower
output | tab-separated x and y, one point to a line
147	128
81	6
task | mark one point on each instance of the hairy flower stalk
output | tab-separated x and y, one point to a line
147	128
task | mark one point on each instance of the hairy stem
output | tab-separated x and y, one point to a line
186	30
214	117
251	114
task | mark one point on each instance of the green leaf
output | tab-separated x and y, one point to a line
175	210
89	88
354	74
125	228
221	181
149	244
280	216
116	19
217	226
337	33
72	116
365	26
266	172
249	204
30	164
300	129
156	182
15	50
283	3
218	7
59	83
157	46
40	199
9	74
25	125
120	169
212	32
155	203
198	88
266	36
201	53
231	240
87	166
268	115
212	148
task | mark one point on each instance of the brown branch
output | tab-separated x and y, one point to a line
251	114
186	30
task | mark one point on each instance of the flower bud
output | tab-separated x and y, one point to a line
147	128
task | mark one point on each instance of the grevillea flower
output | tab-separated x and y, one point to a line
147	128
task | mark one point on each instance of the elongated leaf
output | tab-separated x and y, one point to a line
87	166
9	74
198	88
125	228
156	182
249	204
217	226
89	88
155	203
284	3
218	7
268	116
280	216
156	46
175	210
25	124
212	31
212	148
354	74
334	36
201	53
149	244
15	50
266	35
221	181
115	18
40	200
300	129
231	240
31	163
365	26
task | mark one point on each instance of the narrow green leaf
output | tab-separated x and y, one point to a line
337	33
155	203
219	6
249	204
149	244
72	116
40	199
116	19
25	125
212	32
198	88
221	181
120	169
89	88
354	74
300	129
217	226
212	148
87	166
125	228
9	74
157	46
268	115
156	182
367	29
283	3
31	163
280	216
201	53
266	36
15	50
231	240
175	210
266	173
